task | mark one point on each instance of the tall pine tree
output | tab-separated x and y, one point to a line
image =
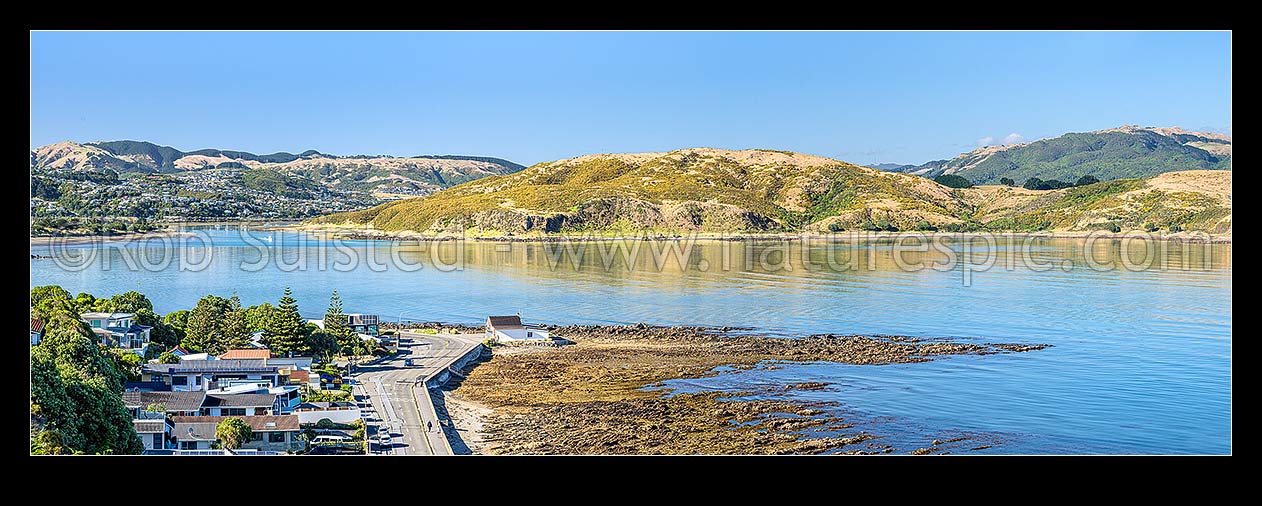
236	333
205	326
335	325
285	329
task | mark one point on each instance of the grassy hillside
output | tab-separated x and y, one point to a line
711	190
1126	152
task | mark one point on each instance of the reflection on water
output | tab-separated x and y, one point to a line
1142	330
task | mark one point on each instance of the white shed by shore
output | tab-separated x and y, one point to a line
510	328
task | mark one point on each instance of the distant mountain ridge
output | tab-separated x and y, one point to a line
1125	152
421	174
756	190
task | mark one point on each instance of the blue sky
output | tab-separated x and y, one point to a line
863	97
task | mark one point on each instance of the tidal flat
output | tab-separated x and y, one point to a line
602	394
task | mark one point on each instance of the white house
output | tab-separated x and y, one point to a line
118	330
510	328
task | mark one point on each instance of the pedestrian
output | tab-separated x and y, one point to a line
429	426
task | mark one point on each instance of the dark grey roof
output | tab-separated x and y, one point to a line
224	366
174	401
239	400
147	385
149	425
505	322
203	428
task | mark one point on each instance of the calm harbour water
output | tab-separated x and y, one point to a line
1141	361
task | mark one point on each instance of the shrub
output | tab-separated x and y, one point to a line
925	226
1033	183
953	181
836	226
1007	181
1150	227
1086	180
325	423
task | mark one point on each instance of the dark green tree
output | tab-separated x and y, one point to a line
76	393
205	326
953	181
1007	181
1086	180
129	302
284	331
236	331
321	344
335	325
168	358
256	316
233	432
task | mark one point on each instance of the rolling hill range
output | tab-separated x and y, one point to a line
386	174
724	191
1116	153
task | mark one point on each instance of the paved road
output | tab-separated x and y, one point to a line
398	394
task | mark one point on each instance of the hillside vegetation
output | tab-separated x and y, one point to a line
1118	153
722	191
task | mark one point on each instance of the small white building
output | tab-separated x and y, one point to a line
510	328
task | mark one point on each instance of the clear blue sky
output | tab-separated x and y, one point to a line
532	97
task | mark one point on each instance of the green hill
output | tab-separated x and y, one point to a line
1125	152
721	191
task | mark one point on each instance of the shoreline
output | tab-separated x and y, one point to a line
48	240
604	395
348	233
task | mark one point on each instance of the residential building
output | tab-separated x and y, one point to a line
269	432
37	330
510	328
240	404
339	412
118	330
154	431
284	398
365	324
362	323
254	353
179	351
211	374
183	403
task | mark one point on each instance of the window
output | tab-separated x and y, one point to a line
188	445
276	437
530	334
179	380
96	323
157	441
256	436
232	412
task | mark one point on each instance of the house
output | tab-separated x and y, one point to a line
198	356
299	377
269	432
246	353
146	386
510	328
154	431
280	400
362	323
179	351
339	412
184	403
211	374
240	404
37	330
119	330
365	324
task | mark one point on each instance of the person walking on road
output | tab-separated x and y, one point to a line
429	426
